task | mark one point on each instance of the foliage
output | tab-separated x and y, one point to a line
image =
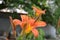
52	12
31	37
41	4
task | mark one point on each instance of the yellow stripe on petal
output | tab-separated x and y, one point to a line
28	29
37	14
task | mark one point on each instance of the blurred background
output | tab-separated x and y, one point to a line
51	17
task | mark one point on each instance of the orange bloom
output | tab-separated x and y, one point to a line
30	25
38	11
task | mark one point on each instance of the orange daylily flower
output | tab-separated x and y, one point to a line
30	25
38	11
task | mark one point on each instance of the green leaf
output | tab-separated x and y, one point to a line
29	36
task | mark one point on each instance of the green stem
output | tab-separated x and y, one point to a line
37	18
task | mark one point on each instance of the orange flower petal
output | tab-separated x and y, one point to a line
35	32
31	21
23	24
40	24
28	28
24	18
16	22
38	11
